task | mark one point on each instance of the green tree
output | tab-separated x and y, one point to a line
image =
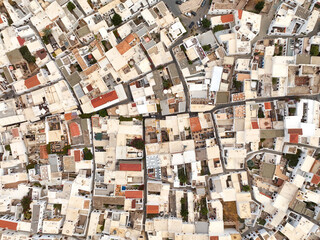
246	188
314	51
206	23
259	6
116	19
27	55
87	154
206	47
218	28
71	6
137	143
103	113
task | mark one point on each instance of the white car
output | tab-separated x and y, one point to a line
188	14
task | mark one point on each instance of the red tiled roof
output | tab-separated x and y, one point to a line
41	53
240	13
295	131
133	203
315	179
21	40
104	98
255	125
74	129
8	225
77	155
267	105
214	238
152	209
32	82
15	132
130	167
43	152
227	18
89	88
68	116
195	124
133	194
1	21
294	138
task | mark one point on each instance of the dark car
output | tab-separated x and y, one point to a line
203	3
191	25
193	13
178	2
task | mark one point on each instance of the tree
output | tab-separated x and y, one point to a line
259	6
27	55
260	113
7	148
46	32
218	28
87	154
206	47
116	19
314	51
71	6
246	188
137	143
293	158
206	23
103	113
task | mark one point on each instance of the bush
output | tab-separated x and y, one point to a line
184	211
71	6
314	51
206	23
27	55
261	221
137	143
182	176
103	113
116	19
293	158
87	154
260	113
218	28
259	6
7	148
246	188
206	47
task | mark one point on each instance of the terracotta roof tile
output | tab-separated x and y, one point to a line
152	209
8	225
15	132
240	13
294	138
77	155
68	116
130	167
21	40
195	124
104	98
315	179
74	129
32	82
254	125
43	152
133	194
267	105
227	18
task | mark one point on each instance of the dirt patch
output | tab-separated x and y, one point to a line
230	212
252	3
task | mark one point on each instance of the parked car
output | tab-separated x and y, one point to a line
199	24
191	25
193	13
203	3
178	2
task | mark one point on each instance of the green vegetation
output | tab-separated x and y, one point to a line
137	143
262	140
237	84
314	51
86	115
259	6
206	47
46	33
292	111
104	43
158	108
183	48
260	113
182	176
102	226
261	221
119	206
293	158
274	80
184	211
103	113
57	206
37	184
218	28
116	19
30	166
206	23
204	210
7	148
27	55
87	154
246	188
166	84
25	203
71	6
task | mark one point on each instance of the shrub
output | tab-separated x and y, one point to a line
218	28
87	154
206	23
246	188
206	47
27	55
116	19
137	143
71	6
314	51
259	6
103	113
